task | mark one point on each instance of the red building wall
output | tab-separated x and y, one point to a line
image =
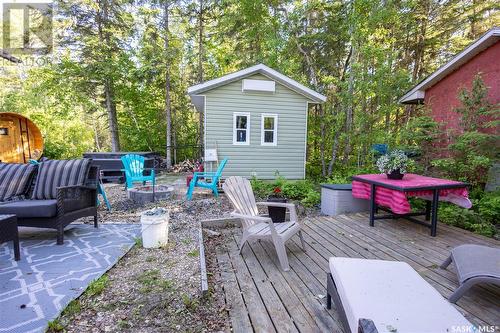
442	97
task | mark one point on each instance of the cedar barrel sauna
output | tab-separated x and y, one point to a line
20	139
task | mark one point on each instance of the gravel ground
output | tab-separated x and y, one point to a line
154	290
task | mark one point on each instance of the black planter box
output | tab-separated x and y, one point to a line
277	214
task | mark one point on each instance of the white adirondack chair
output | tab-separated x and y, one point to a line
255	226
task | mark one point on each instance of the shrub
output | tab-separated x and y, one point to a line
482	218
261	188
301	190
311	199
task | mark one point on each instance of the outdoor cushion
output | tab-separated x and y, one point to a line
57	173
14	180
393	295
30	208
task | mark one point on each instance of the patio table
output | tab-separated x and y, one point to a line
392	196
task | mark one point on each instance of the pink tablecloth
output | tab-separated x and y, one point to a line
397	201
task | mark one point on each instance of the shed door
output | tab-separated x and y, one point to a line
11	147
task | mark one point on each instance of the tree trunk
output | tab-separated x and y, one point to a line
200	76
322	129
350	105
102	20
168	105
111	109
335	147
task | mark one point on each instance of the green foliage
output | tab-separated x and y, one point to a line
74	307
483	218
261	188
54	326
470	158
97	286
312	198
476	111
471	153
304	191
362	55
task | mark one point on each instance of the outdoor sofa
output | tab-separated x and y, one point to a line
388	296
51	194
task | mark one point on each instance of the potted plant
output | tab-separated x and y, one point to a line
277	214
393	164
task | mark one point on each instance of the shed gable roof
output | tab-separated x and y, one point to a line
262	69
416	94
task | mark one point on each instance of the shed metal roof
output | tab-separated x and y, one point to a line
196	90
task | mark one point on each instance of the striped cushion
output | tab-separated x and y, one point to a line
14	180
58	173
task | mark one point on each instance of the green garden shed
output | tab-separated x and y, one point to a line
257	118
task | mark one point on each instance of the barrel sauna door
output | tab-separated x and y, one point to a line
11	145
20	139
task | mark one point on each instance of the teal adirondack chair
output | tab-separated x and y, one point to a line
134	170
214	179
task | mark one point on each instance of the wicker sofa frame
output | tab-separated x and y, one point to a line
73	202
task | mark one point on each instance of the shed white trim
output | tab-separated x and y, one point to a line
263	130
196	90
416	94
247	129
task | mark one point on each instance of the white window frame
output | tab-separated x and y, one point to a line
247	142
275	129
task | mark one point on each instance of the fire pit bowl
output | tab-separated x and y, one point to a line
144	194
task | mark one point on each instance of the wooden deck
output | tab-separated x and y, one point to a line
263	298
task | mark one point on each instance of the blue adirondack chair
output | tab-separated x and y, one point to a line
134	170
212	185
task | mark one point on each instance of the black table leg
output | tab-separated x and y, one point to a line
373	206
435	203
17	251
428	207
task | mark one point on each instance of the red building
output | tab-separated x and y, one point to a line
440	90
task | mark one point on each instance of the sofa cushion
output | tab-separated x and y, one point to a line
30	208
15	180
57	173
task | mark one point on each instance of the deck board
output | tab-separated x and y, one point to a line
263	298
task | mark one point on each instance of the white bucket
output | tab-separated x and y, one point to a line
154	228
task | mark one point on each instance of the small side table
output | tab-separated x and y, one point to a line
8	232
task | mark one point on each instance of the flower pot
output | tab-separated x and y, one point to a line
277	214
395	174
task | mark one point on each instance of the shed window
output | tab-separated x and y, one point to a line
241	128
269	130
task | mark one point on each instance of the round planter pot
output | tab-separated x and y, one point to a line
396	174
277	214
